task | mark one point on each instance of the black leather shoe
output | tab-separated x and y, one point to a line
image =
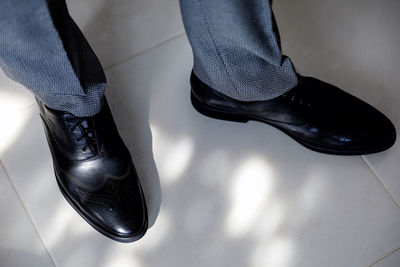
318	115
95	173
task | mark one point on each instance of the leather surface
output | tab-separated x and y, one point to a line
95	172
317	114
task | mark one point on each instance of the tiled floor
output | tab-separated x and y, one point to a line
219	193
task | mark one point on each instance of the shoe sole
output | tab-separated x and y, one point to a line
140	233
231	116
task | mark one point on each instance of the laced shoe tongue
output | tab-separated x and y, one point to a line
88	133
300	97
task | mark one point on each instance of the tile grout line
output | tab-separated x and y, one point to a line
27	213
384	256
380	180
144	51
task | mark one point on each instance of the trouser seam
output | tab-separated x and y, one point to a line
216	47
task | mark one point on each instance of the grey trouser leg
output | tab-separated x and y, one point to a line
42	48
236	48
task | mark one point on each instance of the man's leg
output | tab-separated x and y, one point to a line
236	48
240	74
42	48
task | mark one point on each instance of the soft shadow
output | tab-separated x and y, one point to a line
303	196
19	258
132	119
134	127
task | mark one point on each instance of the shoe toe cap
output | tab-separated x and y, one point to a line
124	218
372	130
118	210
383	132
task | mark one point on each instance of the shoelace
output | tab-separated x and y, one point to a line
302	98
88	133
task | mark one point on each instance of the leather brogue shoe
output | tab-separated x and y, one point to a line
318	115
95	172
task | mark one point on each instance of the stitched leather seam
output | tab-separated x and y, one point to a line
91	194
104	179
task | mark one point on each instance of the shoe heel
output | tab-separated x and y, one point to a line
214	113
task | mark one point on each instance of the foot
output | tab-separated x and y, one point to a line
318	115
95	173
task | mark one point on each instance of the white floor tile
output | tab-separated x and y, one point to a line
220	193
355	45
121	28
20	245
13	96
393	260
